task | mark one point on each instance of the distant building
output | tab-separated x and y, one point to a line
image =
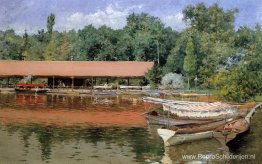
74	73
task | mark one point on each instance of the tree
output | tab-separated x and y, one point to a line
211	19
189	61
10	45
143	34
50	24
154	75
25	47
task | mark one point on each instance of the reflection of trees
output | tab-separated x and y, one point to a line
45	137
137	138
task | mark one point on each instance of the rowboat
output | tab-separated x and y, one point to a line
102	87
216	110
196	128
155	118
178	134
231	130
103	90
160	101
224	133
31	88
129	87
170	137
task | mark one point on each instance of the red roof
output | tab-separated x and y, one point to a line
74	68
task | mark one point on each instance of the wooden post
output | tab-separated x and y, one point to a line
106	80
117	84
7	82
127	81
72	86
53	82
92	84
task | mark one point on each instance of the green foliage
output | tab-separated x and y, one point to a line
190	59
50	23
209	48
154	76
211	19
10	45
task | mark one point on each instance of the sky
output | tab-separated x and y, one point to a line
31	15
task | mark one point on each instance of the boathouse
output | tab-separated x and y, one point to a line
74	73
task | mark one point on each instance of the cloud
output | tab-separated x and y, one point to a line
113	16
175	21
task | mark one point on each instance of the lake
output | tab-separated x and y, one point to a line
101	129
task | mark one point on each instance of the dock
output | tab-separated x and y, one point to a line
252	112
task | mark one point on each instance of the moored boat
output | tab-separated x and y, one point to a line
31	88
170	137
215	110
231	130
155	118
196	128
179	134
160	101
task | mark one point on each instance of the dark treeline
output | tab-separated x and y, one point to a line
210	48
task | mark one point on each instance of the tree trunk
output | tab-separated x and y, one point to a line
188	85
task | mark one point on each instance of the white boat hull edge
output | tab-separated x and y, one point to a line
166	134
170	138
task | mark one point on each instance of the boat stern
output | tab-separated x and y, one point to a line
166	134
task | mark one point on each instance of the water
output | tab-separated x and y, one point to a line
84	129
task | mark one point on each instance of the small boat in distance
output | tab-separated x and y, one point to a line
31	88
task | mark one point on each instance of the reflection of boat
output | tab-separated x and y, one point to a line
215	110
29	99
31	88
176	154
104	92
102	101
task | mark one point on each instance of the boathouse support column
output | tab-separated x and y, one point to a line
117	84
8	82
92	85
72	86
53	82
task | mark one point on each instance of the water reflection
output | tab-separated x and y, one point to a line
120	143
71	129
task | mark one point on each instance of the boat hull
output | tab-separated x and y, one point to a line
175	139
31	90
197	128
164	120
201	115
